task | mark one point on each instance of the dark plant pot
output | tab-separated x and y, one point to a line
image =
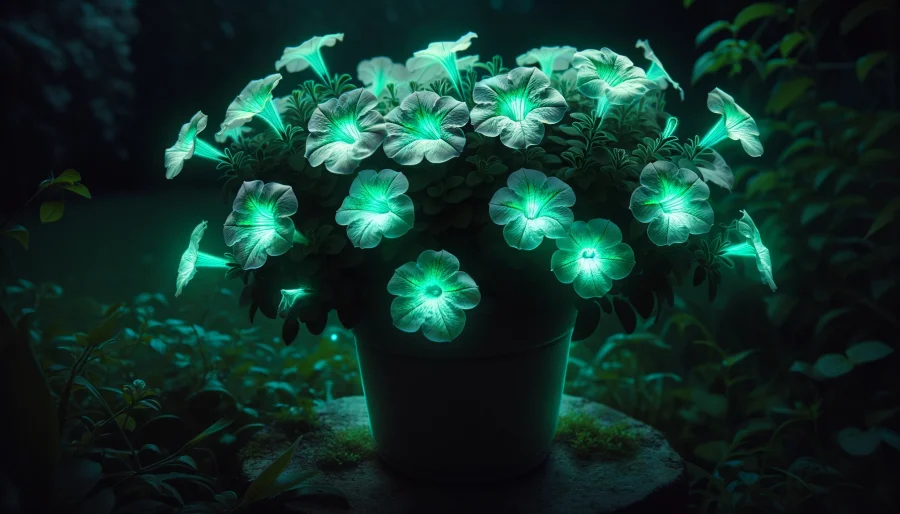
480	408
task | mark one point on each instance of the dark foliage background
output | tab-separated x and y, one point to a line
103	85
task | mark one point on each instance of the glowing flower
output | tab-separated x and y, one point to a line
592	256
376	207
426	126
378	72
308	54
609	77
673	201
432	294
516	106
254	100
735	123
289	298
344	131
260	224
549	58
752	246
532	207
193	258
188	144
657	72
442	54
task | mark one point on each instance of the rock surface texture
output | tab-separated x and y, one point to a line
652	480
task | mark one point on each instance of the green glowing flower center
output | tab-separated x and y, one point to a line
589	253
433	291
515	107
609	74
673	203
428	126
532	209
347	131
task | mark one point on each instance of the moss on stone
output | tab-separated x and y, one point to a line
588	437
345	448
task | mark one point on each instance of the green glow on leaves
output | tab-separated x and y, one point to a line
591	256
377	73
752	246
604	73
671	125
187	267
432	294
532	207
344	131
657	72
376	207
188	144
515	106
308	54
442	54
735	123
426	126
289	299
673	201
260	223
549	58
255	98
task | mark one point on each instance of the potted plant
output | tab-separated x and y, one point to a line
467	221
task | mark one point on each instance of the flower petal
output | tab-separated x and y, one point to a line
343	131
187	267
604	73
260	223
426	126
591	257
183	149
376	207
250	102
406	281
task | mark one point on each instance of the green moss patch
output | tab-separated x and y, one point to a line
589	438
345	448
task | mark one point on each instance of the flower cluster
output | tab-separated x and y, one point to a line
450	142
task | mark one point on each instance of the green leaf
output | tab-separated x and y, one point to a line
890	437
797	146
813	211
216	427
709	63
78	189
51	211
858	443
68	177
710	30
784	94
887	215
773	65
868	351
17	232
265	484
789	42
865	63
833	365
688	3
731	360
712	451
861	12
828	317
755	12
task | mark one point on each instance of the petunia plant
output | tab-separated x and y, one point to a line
363	197
260	224
515	106
189	144
532	207
344	131
673	201
432	295
591	256
442	56
550	58
308	55
193	258
657	72
376	207
426	126
610	78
